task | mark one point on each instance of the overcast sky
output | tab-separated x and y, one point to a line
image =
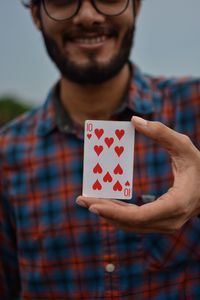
167	43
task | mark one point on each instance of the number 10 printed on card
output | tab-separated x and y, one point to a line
108	159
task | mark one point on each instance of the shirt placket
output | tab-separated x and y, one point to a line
110	261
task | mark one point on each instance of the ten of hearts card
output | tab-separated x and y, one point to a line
108	159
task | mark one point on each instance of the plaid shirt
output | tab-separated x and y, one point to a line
51	248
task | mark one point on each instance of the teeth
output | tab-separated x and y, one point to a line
91	41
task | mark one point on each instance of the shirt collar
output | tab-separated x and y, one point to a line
139	99
52	116
47	115
141	94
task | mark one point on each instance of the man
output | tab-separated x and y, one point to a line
148	248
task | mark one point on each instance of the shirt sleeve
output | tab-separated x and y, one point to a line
9	271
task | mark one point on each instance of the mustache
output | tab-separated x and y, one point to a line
94	29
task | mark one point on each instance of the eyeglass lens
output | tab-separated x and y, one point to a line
66	9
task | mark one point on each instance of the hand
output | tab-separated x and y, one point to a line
173	209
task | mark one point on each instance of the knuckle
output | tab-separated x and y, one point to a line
180	208
175	227
158	126
185	140
182	211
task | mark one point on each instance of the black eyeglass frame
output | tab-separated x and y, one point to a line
95	7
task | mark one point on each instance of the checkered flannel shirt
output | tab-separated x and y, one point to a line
51	248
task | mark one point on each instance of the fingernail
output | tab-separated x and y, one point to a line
93	210
140	121
81	202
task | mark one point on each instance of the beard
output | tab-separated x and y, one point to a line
93	72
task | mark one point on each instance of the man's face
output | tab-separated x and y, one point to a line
90	48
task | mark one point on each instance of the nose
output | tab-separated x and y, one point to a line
88	15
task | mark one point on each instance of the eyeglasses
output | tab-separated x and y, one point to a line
60	10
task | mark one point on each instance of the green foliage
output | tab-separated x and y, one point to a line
10	108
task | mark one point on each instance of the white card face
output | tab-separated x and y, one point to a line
108	159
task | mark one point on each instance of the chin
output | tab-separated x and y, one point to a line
93	67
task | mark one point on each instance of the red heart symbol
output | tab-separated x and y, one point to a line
117	186
109	141
97	169
107	177
98	149
127	183
118	170
119	133
97	185
119	150
99	132
89	135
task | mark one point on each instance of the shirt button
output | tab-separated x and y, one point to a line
66	128
110	268
148	198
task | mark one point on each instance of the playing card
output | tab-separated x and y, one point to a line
108	159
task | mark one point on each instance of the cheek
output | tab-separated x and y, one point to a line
50	27
54	35
125	25
125	21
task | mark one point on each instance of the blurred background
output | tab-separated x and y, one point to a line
167	43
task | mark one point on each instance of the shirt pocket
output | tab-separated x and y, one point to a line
45	258
47	245
172	250
54	259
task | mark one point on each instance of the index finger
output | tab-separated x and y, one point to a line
175	143
130	214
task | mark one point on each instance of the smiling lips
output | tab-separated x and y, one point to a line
95	36
90	40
